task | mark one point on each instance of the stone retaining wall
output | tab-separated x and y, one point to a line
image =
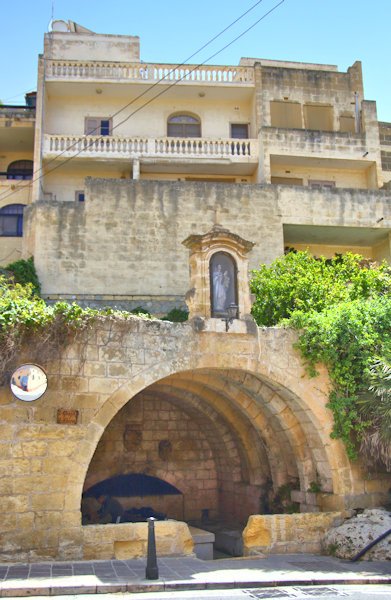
301	532
129	540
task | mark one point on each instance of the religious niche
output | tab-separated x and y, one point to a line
219	285
223	283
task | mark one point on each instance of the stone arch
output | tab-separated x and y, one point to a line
265	397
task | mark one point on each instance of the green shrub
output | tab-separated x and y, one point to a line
176	315
342	309
23	272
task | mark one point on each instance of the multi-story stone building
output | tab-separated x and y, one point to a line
144	173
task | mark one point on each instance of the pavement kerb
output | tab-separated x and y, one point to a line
185	573
165	586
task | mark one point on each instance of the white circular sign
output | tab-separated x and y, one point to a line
28	382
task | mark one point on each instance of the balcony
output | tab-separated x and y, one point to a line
66	70
177	150
305	142
16	128
17	112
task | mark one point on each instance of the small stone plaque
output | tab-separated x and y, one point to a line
67	417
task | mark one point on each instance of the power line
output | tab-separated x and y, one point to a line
145	92
5	100
150	88
165	90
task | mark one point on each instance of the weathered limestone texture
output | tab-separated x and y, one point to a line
126	239
301	532
263	424
348	539
129	540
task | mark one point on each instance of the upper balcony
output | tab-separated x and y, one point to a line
306	142
116	72
17	113
17	124
239	156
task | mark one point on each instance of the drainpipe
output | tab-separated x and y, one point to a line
370	545
357	124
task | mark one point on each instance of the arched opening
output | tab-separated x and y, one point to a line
11	220
20	169
183	126
223	283
229	440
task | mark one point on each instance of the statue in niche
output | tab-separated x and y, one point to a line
223	284
220	286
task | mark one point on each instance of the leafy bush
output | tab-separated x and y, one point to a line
140	311
299	281
342	308
375	406
23	271
23	314
176	315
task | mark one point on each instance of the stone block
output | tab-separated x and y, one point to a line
298	496
14	504
102	385
47	501
30	449
129	540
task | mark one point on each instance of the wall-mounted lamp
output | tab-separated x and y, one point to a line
365	154
232	313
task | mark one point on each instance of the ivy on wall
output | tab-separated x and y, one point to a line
27	321
342	310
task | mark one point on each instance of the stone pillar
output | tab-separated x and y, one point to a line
372	141
136	168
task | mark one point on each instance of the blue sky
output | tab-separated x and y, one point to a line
322	31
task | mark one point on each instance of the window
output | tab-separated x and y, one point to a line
223	283
183	126
316	184
318	117
79	196
11	220
20	169
239	131
285	114
347	123
286	180
98	126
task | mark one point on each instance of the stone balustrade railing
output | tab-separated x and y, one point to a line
118	146
102	70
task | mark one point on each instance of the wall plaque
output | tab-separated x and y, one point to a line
67	416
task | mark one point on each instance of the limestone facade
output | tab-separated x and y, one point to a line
251	417
129	211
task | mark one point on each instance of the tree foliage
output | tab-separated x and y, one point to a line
342	308
376	407
23	271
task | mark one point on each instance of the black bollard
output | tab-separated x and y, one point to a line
151	572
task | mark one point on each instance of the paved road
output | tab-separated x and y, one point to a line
329	592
